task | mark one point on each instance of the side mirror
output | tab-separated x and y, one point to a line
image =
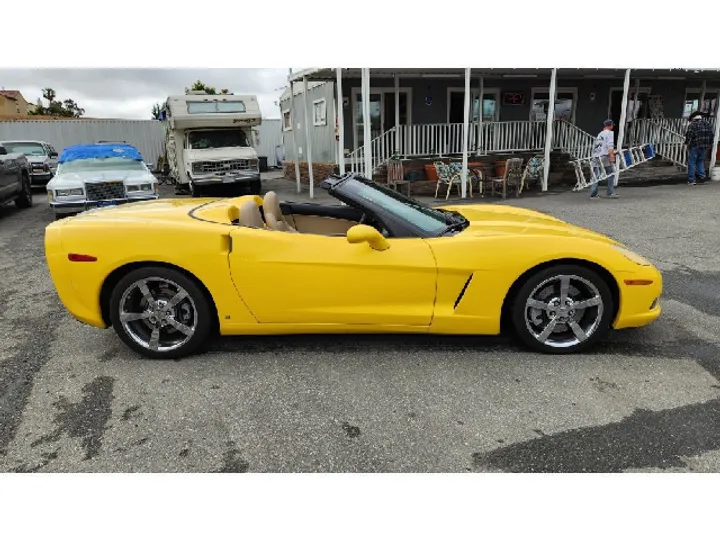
53	154
3	151
364	233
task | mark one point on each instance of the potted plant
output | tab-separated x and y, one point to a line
430	170
500	166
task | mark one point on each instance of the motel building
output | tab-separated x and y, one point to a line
495	129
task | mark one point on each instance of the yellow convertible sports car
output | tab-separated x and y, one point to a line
166	274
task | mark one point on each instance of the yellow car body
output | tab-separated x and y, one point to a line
263	281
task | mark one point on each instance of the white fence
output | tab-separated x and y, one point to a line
148	136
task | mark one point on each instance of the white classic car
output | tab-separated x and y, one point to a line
96	175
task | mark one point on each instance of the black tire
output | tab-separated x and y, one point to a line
594	321
198	304
25	198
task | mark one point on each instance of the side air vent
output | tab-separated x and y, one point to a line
462	292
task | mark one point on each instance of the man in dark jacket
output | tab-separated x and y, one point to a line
698	138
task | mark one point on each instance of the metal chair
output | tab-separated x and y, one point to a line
512	179
448	176
533	172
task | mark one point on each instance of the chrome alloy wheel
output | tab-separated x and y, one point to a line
158	314
563	311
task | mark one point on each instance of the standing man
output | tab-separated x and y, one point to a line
698	138
604	154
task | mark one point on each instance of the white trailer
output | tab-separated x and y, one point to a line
211	140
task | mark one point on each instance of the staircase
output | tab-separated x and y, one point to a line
665	136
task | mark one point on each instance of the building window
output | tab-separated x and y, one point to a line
692	103
564	105
319	112
287	120
489	108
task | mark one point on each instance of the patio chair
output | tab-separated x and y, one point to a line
511	180
475	176
533	172
447	177
395	175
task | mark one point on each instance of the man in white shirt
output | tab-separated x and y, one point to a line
604	155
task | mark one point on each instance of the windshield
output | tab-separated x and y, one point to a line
218	138
101	164
29	149
425	218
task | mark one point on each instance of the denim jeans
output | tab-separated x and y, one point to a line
609	170
696	162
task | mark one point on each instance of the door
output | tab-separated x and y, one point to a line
306	278
376	119
8	174
382	112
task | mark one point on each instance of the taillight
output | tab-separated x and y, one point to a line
79	257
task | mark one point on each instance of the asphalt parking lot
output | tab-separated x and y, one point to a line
74	399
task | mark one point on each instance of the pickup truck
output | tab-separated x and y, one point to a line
15	179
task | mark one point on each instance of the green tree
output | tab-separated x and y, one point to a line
67	108
156	111
199	86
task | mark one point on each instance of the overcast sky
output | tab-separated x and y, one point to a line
131	93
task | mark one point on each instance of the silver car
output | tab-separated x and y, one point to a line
42	156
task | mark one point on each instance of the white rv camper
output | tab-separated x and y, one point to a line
210	140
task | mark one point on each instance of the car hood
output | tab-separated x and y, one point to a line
76	178
501	220
245	152
37	159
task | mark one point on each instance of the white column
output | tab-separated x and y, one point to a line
308	142
621	131
481	97
466	136
294	127
549	128
366	123
397	114
341	122
716	139
634	111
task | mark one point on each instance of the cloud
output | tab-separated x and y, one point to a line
131	93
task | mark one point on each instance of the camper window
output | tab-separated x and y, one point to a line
211	107
220	138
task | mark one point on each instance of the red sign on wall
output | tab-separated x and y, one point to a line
513	98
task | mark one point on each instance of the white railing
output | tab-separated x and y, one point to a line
571	139
668	144
495	137
665	134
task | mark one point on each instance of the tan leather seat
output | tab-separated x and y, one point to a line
273	213
250	216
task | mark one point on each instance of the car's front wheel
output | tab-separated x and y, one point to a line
160	313
25	198
563	309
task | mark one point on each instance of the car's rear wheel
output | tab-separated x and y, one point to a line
160	313
25	198
563	309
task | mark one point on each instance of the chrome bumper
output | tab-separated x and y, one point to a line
234	177
73	207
